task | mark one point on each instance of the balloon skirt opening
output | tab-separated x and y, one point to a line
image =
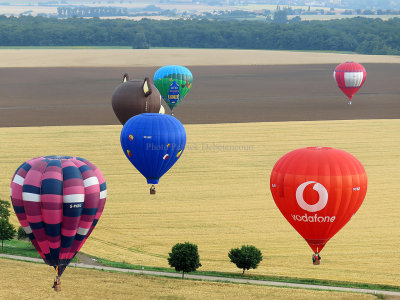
152	180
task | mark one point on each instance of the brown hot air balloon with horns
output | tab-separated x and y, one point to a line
133	97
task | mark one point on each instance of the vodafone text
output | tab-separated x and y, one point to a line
313	218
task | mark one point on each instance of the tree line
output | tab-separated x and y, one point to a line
360	35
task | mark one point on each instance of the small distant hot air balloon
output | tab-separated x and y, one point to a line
318	190
133	97
58	201
350	76
173	82
153	143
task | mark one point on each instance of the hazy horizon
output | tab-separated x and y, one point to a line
350	4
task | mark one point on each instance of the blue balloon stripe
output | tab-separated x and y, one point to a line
72	210
31	189
71	172
53	230
84	168
49	258
38	225
54	254
54	163
52	186
79	237
26	166
103	186
19	209
67	241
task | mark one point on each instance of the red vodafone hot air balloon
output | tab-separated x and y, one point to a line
350	77
318	190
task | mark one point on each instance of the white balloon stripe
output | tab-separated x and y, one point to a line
30	197
18	180
74	198
353	79
103	194
90	181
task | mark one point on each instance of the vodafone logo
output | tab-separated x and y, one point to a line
322	193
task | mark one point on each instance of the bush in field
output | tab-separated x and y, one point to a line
7	231
184	257
4	209
245	258
21	233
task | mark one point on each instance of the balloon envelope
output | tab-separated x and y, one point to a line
173	82
350	76
58	201
133	97
153	143
318	190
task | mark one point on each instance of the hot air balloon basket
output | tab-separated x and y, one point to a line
57	284
152	190
317	262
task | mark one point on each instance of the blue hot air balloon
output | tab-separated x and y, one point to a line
153	143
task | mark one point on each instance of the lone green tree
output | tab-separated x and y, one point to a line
184	257
245	258
7	231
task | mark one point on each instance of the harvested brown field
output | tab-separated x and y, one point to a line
220	94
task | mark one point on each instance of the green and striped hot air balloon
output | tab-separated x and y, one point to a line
173	82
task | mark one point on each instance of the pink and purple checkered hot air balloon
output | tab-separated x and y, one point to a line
58	200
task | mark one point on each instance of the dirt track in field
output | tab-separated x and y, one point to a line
220	94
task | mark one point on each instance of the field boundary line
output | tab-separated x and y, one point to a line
216	278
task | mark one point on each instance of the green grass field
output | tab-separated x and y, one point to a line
17	247
217	196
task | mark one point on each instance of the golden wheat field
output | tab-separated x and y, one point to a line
104	285
217	196
30	58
